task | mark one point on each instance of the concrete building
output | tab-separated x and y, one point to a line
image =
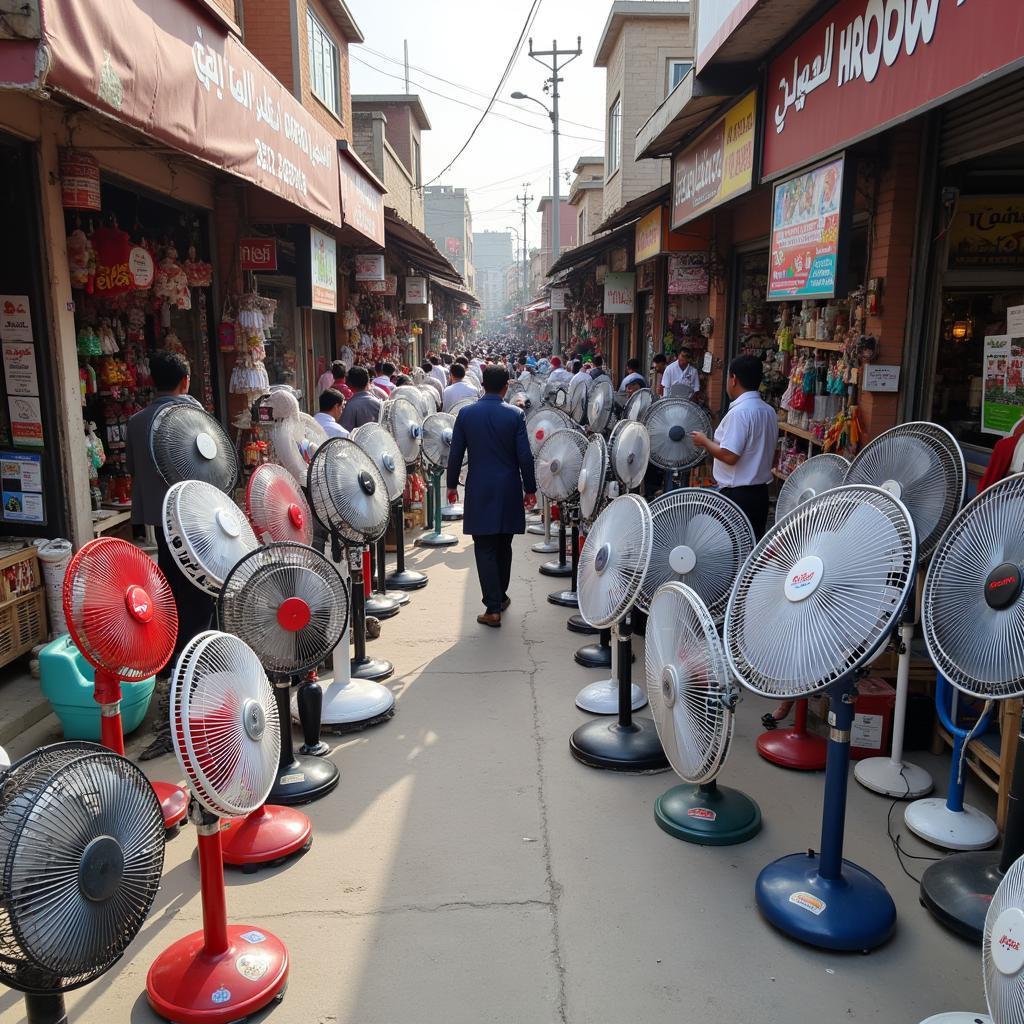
492	254
586	194
647	50
566	227
387	135
449	225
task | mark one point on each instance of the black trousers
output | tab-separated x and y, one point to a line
493	552
195	608
754	501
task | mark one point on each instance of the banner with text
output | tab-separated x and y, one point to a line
618	293
1003	404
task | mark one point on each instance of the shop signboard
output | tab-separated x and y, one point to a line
717	167
453	246
257	253
362	204
1003	403
618	293
21	478
389	286
416	291
558	297
15	318
688	274
324	271
174	72
79	180
804	248
867	65
370	268
648	236
987	233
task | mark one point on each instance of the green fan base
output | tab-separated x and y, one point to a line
708	815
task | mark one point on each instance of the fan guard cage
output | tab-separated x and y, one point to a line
347	492
378	443
816	475
577	399
559	461
437	440
667	418
1004	992
600	404
821	592
59	926
403	422
187	443
276	505
688	683
629	450
544	421
415	397
638	403
591	485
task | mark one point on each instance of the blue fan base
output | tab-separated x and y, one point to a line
858	914
717	816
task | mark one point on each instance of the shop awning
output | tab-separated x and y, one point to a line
590	251
417	250
460	294
637	208
751	30
362	198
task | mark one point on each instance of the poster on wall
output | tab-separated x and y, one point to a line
987	232
618	293
323	259
1003	402
21	477
369	268
20	368
15	318
688	274
26	421
416	291
805	234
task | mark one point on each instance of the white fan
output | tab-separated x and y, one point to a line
576	404
692	698
415	396
629	449
671	422
558	463
403	422
541	423
436	443
638	403
292	442
817	474
601	405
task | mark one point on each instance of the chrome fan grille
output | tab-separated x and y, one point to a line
386	455
638	403
577	399
187	443
347	493
592	478
559	461
923	466
600	405
403	422
543	422
670	422
224	724
821	592
415	397
277	507
613	561
1004	931
816	475
629	450
437	440
701	538
688	684
979	647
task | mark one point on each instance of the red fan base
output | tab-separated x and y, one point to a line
794	748
173	802
268	836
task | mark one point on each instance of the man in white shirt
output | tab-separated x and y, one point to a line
459	388
383	379
438	371
559	374
744	444
633	377
681	372
331	404
582	374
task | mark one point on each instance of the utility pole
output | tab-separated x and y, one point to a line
525	199
556	65
406	42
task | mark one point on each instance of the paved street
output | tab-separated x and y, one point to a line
467	870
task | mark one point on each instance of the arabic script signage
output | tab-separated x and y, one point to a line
362	204
175	74
805	234
987	231
867	65
718	166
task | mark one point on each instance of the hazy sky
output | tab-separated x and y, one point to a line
468	42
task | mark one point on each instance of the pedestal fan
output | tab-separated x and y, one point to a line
121	615
612	566
226	736
923	466
349	497
81	854
558	462
817	474
292	440
415	397
629	450
692	698
187	443
601	406
276	506
435	446
592	488
671	422
541	423
973	619
817	598
638	403
402	421
576	399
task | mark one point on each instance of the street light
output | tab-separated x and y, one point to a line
520	276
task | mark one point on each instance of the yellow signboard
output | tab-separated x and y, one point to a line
648	236
987	231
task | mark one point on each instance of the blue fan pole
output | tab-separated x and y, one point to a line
837	773
944	706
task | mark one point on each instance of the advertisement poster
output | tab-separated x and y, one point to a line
22	482
369	268
1003	365
558	296
416	291
15	318
26	421
20	368
805	234
324	271
987	232
688	274
618	293
389	286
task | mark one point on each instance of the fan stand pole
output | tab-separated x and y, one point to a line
435	538
822	899
548	545
201	976
309	700
568	598
381	586
794	748
707	814
362	666
45	1009
402	578
626	744
576	623
597	655
561	567
951	823
300	777
377	605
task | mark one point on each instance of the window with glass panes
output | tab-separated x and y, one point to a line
323	64
677	71
614	135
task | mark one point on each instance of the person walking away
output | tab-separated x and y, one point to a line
459	388
744	443
331	404
559	375
499	488
383	379
438	371
330	375
340	373
598	370
362	407
682	371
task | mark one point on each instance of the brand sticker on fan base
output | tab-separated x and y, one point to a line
254	938
290	780
252	966
222	995
704	813
808	902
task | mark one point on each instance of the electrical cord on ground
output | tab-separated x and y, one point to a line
895	839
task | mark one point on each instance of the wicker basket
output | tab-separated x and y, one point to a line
22	625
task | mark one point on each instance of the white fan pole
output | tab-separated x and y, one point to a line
548	546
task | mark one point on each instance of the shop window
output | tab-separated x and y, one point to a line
614	136
677	71
285	356
324	73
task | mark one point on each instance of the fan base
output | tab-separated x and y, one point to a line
400	597
173	802
593	656
565	598
577	624
604	744
709	817
381	607
367	668
545	547
958	890
553	568
935	823
188	986
793	748
408	579
959	1018
890	778
603	698
536	528
360	700
265	838
851	913
305	780
451	513
436	540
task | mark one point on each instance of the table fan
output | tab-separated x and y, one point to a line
692	699
187	443
612	566
638	403
558	461
671	422
592	489
276	506
292	440
817	598
541	423
816	474
81	854
973	619
436	443
121	615
923	466
226	736
349	498
629	450
600	405
576	403
401	419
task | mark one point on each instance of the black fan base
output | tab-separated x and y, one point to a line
565	598
320	749
958	889
577	624
372	668
45	1009
381	607
606	744
305	780
593	656
407	580
342	728
553	568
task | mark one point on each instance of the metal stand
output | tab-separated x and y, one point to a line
380	574
822	899
597	655
568	598
602	698
402	578
377	605
628	744
548	545
709	815
452	513
435	538
309	702
45	1009
562	566
794	748
301	778
362	666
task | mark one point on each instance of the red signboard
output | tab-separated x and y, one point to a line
869	64
257	253
79	180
